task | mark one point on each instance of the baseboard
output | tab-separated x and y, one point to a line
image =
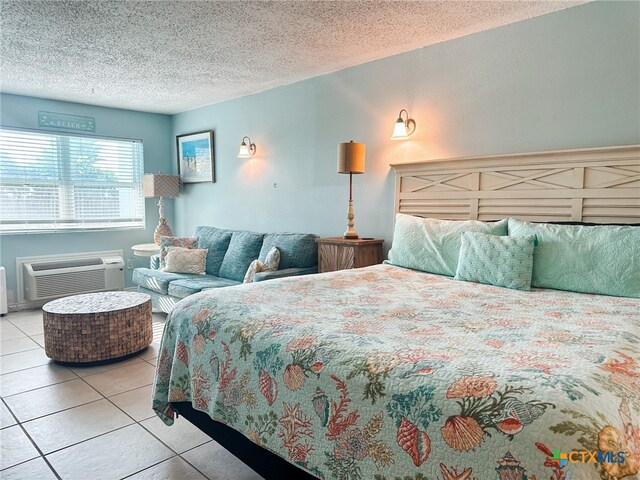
26	305
31	305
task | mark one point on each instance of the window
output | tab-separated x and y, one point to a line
55	182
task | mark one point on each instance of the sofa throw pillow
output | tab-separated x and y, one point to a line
270	264
493	260
601	259
297	250
185	260
433	245
184	242
244	247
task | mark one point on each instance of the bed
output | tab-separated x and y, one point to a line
387	372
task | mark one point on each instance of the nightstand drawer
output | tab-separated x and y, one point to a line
340	254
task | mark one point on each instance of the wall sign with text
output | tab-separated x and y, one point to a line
69	122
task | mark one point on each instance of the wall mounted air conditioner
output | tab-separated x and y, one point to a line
53	278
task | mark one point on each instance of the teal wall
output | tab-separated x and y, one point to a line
155	132
565	80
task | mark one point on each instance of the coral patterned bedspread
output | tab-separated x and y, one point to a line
386	373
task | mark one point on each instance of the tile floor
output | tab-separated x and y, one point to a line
93	422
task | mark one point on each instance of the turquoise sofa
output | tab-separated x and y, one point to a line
229	256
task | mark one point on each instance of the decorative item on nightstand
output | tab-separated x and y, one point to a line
351	157
247	149
339	253
160	185
403	128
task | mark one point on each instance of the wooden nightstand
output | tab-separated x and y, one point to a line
337	253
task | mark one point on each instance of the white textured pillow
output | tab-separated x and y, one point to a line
271	264
185	260
166	242
433	245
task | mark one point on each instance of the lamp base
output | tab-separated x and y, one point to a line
162	230
351	233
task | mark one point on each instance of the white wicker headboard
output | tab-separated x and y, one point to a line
599	185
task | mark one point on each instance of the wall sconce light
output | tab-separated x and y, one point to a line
403	128
247	149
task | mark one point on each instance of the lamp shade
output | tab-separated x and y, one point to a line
247	149
351	157
400	130
160	185
244	151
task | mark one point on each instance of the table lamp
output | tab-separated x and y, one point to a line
160	185
351	160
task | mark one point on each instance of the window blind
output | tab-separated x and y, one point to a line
56	182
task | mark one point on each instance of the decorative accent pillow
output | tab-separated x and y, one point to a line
244	247
297	250
493	260
433	245
185	260
184	242
270	264
602	259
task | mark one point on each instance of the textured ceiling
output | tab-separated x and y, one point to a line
171	56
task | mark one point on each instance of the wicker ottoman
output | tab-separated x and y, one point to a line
97	326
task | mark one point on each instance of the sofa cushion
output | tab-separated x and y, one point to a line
216	241
160	301
297	250
156	280
186	287
243	249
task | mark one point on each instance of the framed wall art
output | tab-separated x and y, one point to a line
195	157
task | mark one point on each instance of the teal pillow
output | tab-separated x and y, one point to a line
243	249
217	242
297	250
433	245
602	259
500	261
